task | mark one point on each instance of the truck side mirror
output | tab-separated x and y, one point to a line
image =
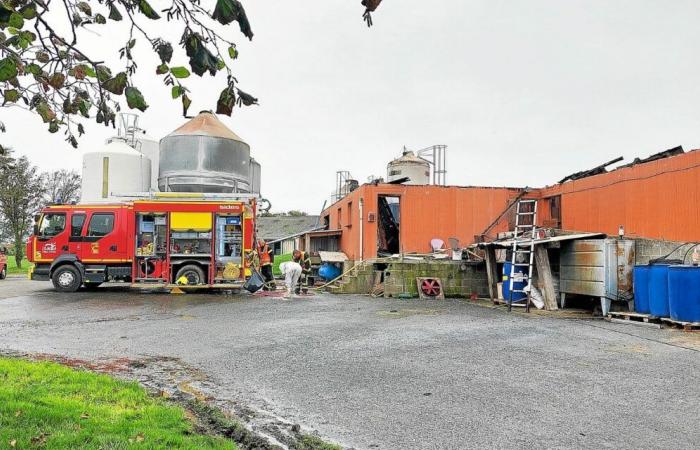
36	229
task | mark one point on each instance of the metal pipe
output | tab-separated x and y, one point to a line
362	221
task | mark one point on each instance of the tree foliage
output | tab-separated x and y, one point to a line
45	68
21	193
61	187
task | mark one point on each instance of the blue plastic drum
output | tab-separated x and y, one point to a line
684	293
641	289
658	290
517	285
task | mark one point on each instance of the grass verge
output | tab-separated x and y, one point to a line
279	259
43	404
12	268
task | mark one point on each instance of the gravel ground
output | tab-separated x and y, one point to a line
387	373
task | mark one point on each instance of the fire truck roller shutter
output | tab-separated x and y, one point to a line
195	221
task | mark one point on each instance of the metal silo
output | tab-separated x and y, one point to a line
410	166
203	155
255	176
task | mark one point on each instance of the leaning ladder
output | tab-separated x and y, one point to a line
523	244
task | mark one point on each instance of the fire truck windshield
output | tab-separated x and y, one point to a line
52	224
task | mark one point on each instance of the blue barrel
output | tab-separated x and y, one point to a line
329	271
517	285
658	290
641	289
684	293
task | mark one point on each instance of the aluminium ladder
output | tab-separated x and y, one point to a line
523	244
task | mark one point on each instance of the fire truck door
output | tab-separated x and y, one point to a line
52	239
75	240
103	239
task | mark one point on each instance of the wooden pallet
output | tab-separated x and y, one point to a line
633	317
687	326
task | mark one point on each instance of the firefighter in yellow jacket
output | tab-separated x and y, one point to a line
266	257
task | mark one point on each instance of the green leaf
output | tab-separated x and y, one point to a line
85	8
135	100
11	95
16	20
201	59
176	91
165	52
103	73
84	107
114	13
232	52
147	10
53	126
33	69
8	69
28	11
117	84
186	102
100	19
226	11
247	99
180	72
221	65
47	115
163	68
227	100
89	71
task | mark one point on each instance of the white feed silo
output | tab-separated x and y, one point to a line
150	147
116	168
409	165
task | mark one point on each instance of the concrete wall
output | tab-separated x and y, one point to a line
458	279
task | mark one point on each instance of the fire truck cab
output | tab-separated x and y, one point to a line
161	242
3	263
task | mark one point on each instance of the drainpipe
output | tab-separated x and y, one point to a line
362	235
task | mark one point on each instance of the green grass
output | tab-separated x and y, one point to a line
279	259
12	268
47	405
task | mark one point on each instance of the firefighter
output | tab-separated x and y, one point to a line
292	272
267	257
303	259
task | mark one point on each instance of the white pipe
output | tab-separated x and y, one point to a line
362	236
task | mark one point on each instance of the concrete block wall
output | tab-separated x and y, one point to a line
458	279
647	249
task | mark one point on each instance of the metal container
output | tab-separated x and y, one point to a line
684	293
658	290
203	155
255	173
641	289
409	165
116	168
598	268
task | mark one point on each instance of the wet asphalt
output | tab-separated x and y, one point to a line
392	374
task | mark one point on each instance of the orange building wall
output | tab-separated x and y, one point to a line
657	200
427	212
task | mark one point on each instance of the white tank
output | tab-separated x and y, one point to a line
409	165
150	147
114	169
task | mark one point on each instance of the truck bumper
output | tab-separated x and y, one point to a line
39	273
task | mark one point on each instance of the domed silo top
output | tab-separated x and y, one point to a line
204	155
410	166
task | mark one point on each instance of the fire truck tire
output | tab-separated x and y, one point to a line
193	273
3	273
66	278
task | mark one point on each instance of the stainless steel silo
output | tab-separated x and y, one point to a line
255	176
203	155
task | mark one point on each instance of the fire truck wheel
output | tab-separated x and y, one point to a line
66	279
194	274
3	273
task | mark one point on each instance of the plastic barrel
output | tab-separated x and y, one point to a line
658	290
641	289
684	293
328	271
517	285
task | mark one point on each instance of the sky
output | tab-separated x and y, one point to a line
523	93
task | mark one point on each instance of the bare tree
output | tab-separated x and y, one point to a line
61	187
21	193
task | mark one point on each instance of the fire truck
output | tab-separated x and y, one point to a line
3	264
163	241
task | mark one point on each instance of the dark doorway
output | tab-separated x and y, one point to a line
389	225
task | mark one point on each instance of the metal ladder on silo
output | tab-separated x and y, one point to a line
523	244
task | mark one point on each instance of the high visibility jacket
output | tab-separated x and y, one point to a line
264	255
305	262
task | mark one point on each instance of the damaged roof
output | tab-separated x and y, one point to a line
278	227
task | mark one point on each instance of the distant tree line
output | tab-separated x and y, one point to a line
24	191
292	213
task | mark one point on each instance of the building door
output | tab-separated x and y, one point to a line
388	225
554	211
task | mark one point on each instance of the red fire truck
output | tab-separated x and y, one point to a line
3	264
165	241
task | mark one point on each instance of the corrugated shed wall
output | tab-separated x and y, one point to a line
427	212
658	200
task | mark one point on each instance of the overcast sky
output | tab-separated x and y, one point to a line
522	92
